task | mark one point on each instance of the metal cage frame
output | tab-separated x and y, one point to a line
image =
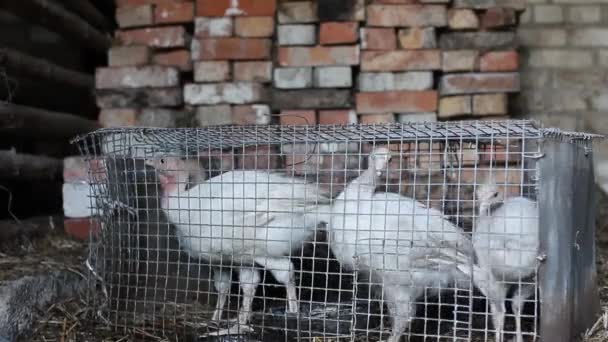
567	276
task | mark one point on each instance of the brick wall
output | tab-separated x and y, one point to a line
564	47
195	63
208	62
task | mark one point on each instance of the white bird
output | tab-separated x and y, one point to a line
403	245
506	242
244	217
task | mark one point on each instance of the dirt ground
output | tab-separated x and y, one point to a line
74	320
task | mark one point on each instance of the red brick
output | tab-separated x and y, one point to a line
468	156
75	170
213	27
519	5
460	19
138	16
261	157
375	38
298	117
217	160
459	60
376	118
395	1
406	15
454	84
253	71
498	17
174	13
397	101
338	32
221	8
298	12
118	117
212	71
251	115
178	58
497	152
136	77
417	38
159	37
319	55
509	180
254	27
129	55
131	3
452	106
337	117
81	228
302	164
139	97
490	104
400	60
499	61
231	49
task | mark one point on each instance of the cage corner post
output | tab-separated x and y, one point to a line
567	277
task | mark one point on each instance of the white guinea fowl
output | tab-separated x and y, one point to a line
505	239
243	217
403	245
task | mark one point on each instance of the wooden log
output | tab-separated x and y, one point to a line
48	14
30	228
88	12
29	167
30	66
34	123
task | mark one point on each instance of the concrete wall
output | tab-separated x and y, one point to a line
565	68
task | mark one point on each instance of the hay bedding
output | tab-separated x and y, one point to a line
73	320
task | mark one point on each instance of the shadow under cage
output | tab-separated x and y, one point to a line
452	231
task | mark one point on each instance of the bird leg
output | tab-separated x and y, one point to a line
400	308
249	278
282	270
523	292
222	286
498	310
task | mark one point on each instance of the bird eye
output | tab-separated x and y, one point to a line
162	161
495	194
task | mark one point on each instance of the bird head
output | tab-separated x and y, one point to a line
378	159
488	196
172	173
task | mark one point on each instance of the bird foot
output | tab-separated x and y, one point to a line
224	321
237	329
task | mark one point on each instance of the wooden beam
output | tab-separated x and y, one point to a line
30	66
29	167
88	12
34	123
48	14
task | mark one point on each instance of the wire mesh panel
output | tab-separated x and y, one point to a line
429	231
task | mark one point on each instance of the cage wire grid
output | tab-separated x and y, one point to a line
357	232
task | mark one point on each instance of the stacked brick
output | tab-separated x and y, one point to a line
317	57
142	85
231	51
479	58
399	56
307	61
208	62
232	54
314	64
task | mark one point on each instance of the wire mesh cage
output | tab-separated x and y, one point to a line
453	231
